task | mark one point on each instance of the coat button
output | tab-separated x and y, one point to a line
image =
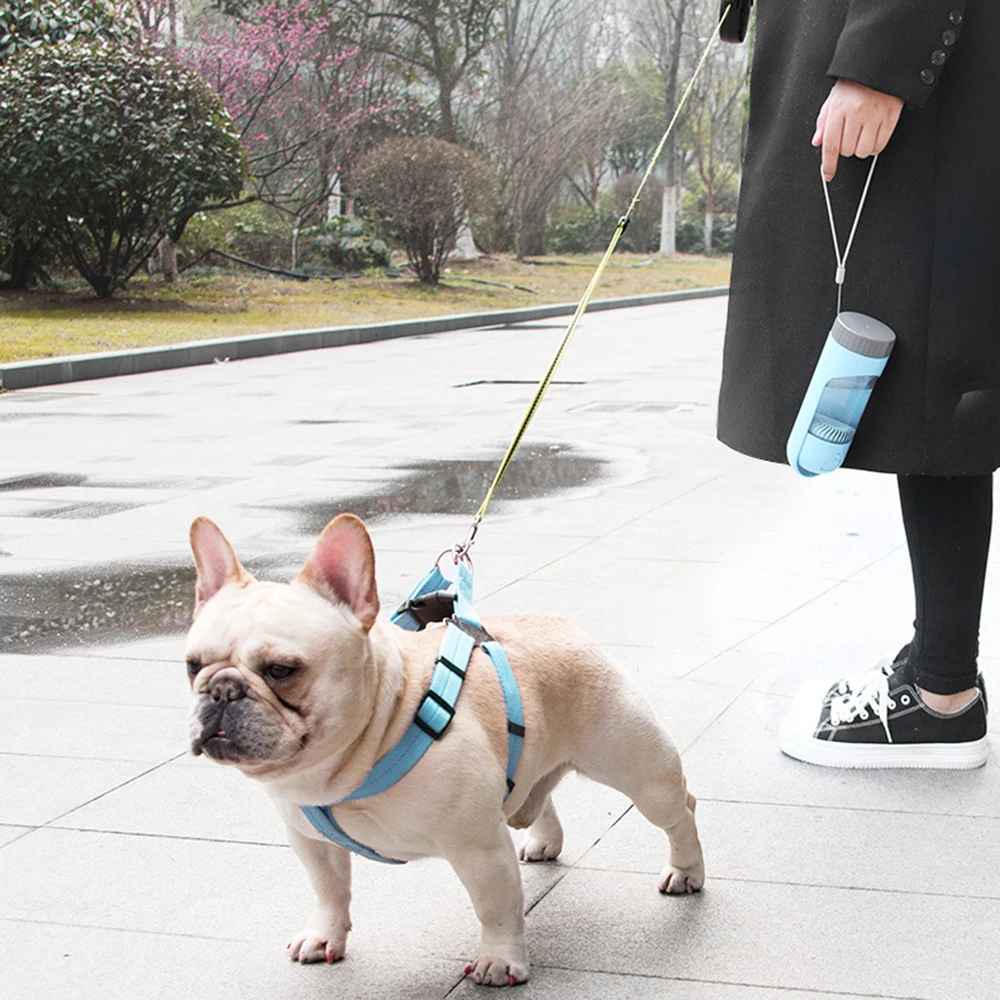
955	17
926	77
938	57
948	37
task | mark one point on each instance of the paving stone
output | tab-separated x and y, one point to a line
98	730
568	984
774	935
51	959
821	846
38	789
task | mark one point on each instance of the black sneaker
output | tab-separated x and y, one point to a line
884	667
884	724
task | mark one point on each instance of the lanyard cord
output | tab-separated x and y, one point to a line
842	261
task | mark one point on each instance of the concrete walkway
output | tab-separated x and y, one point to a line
130	869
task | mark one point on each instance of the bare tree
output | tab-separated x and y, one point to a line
442	39
715	123
659	30
544	111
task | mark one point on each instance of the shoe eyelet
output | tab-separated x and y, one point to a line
864	715
905	699
892	705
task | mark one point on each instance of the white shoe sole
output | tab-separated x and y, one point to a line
943	756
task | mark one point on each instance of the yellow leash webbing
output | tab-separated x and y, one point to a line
462	549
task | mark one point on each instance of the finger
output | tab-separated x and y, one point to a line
852	134
817	139
832	140
867	141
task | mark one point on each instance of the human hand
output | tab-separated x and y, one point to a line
854	121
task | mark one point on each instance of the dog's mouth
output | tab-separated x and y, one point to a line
237	734
219	747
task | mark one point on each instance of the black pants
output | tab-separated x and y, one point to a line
947	521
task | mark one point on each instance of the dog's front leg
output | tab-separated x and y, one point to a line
489	871
324	937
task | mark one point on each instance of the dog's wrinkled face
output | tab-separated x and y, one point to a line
281	673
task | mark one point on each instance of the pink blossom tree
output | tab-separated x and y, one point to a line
302	98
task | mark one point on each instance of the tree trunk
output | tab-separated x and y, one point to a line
668	221
672	182
709	219
168	260
530	238
448	132
22	265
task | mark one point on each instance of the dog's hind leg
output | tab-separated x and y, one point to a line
544	839
637	756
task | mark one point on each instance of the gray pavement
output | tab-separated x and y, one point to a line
130	869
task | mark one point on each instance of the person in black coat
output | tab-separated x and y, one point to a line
833	83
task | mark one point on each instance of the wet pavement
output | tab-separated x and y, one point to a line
128	868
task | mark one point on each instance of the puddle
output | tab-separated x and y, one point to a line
57	480
41	481
98	604
458	487
109	603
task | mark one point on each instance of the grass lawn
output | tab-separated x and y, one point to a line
41	324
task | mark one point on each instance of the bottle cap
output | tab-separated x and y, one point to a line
863	334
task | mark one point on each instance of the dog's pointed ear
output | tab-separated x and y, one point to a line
215	561
341	568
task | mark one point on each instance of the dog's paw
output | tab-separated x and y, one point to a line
500	967
677	881
535	848
321	940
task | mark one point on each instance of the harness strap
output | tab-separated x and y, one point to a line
512	701
322	819
430	721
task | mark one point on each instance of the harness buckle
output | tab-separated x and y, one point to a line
427	608
421	723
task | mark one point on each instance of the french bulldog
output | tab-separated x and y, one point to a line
303	687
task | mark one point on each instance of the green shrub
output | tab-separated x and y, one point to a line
106	149
585	232
343	243
691	234
253	231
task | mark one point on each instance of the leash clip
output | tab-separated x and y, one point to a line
460	552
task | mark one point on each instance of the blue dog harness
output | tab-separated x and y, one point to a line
432	600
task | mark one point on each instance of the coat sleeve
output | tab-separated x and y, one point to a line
899	47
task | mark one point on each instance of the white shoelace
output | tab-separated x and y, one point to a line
873	697
860	680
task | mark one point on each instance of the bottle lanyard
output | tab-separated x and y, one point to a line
842	261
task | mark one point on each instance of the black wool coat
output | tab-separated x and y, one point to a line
926	258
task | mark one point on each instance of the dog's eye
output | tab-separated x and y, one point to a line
193	666
278	671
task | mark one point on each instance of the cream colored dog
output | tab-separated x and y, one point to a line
303	687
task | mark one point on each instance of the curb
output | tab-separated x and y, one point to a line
77	368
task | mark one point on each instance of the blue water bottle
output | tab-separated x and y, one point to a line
856	351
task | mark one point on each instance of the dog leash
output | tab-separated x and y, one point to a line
462	549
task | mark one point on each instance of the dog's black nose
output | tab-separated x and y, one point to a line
227	685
